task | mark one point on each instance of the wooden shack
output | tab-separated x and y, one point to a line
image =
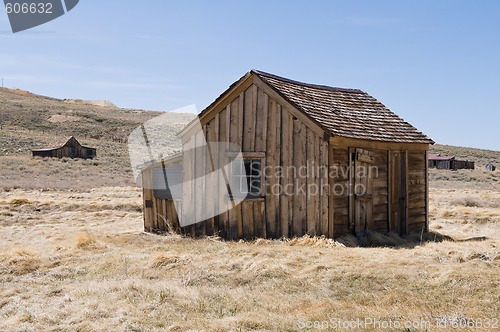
69	148
366	168
449	162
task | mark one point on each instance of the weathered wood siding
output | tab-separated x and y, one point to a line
290	205
342	193
396	197
346	175
380	191
160	215
417	191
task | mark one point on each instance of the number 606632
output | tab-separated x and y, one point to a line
29	8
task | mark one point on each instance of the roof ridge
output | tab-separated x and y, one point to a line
309	85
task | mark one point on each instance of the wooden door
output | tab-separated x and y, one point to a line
363	191
398	205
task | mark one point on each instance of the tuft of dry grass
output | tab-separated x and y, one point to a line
162	259
85	240
22	261
19	201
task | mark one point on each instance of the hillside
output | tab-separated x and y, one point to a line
29	121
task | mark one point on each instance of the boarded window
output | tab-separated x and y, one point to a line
167	182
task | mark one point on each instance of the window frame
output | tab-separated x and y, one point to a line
253	157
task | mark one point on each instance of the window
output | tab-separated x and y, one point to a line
247	178
167	182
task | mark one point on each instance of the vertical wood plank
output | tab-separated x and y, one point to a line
407	215
248	225
389	191
316	188
271	164
188	163
249	121
216	152
331	181
178	209
241	121
286	161
156	208
277	162
300	195
396	173
258	217
261	122
210	183
223	118
261	145
200	183
235	138
147	195
352	182
234	116
426	160
311	199
325	188
235	223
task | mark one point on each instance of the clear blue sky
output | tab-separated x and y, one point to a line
435	63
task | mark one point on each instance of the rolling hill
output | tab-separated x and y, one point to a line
29	121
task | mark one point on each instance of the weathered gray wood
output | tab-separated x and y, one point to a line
249	122
272	161
261	121
300	183
277	161
286	212
210	183
259	218
427	218
200	184
312	197
334	159
325	188
224	127
234	116
248	219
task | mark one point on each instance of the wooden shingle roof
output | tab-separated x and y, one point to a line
348	113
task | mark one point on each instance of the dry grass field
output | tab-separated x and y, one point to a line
74	257
79	261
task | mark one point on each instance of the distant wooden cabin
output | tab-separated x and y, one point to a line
449	162
69	148
278	122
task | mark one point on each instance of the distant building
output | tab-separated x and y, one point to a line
69	148
490	167
448	162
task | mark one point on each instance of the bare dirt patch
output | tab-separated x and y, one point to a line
59	118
